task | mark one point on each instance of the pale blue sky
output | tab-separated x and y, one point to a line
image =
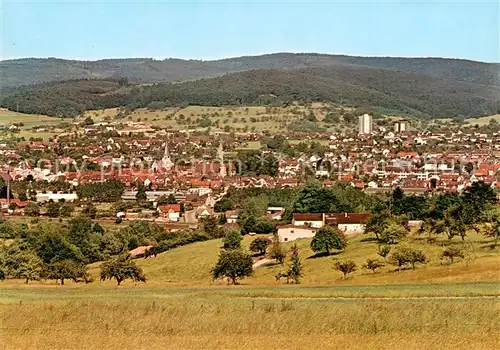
210	30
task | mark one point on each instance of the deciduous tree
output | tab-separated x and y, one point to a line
233	264
277	252
32	209
53	209
452	253
373	264
259	245
67	269
232	240
120	269
328	238
383	251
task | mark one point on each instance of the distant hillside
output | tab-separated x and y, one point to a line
64	99
357	86
143	70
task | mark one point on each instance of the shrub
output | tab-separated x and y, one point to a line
452	253
373	264
345	267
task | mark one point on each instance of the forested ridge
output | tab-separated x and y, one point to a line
31	71
384	89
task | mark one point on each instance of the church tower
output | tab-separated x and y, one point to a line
166	161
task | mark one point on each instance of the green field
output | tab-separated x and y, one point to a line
29	120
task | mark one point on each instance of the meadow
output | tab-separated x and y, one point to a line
483	120
435	306
8	118
239	317
190	265
253	118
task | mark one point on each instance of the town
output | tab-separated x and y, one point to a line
198	168
249	175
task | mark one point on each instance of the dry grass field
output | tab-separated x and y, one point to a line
179	307
87	317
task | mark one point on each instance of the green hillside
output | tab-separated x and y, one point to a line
190	265
385	90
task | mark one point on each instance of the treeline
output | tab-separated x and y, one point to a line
449	213
310	198
65	99
107	191
382	89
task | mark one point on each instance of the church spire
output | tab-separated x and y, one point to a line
166	161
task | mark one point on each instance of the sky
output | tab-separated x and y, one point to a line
212	30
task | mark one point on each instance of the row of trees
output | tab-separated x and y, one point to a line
449	214
49	249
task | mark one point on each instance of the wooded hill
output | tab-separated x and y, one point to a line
428	87
31	71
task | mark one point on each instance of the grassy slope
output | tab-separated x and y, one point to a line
190	265
483	120
179	307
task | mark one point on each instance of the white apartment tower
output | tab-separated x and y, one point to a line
365	124
401	126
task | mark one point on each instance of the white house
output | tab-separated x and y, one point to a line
289	233
231	216
315	220
56	197
171	212
348	222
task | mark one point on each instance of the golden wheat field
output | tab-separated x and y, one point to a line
49	316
